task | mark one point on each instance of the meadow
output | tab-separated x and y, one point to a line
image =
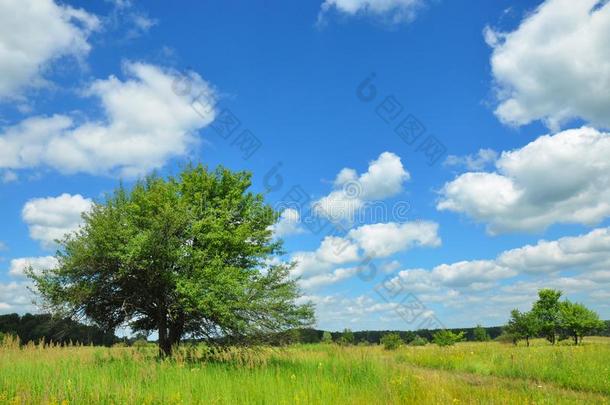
467	373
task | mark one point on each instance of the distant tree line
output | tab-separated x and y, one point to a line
549	318
34	328
375	336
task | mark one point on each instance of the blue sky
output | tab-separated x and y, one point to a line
94	93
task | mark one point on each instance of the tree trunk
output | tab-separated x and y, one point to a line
165	345
176	330
527	341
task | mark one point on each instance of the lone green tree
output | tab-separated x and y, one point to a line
480	334
327	337
578	321
186	255
547	311
347	337
522	325
391	341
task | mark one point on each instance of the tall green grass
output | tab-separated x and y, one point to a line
303	374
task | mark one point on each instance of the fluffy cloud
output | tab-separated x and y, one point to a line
476	291
15	297
385	239
34	33
555	65
393	11
335	312
361	245
333	251
51	218
384	178
289	223
147	123
37	264
333	277
588	254
563	178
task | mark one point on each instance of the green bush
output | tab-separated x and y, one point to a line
447	338
327	337
391	341
418	341
480	334
140	343
347	338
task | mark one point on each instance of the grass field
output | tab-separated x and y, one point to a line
480	373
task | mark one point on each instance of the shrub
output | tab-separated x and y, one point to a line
447	338
140	343
480	334
418	341
327	337
391	341
506	337
347	338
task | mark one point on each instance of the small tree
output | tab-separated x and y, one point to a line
327	337
480	334
447	338
522	325
418	341
578	321
391	341
547	312
347	337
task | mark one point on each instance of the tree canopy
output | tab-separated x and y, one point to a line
553	319
187	255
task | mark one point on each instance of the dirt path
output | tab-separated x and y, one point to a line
541	392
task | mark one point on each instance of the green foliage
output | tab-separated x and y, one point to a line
447	338
506	337
552	319
480	334
547	312
140	343
391	341
522	325
33	328
418	341
363	342
183	255
577	320
327	337
347	337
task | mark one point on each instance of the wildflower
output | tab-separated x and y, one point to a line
293	377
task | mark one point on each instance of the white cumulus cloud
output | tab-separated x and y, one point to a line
146	123
37	264
383	179
362	245
289	223
33	34
385	239
556	65
51	218
561	178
